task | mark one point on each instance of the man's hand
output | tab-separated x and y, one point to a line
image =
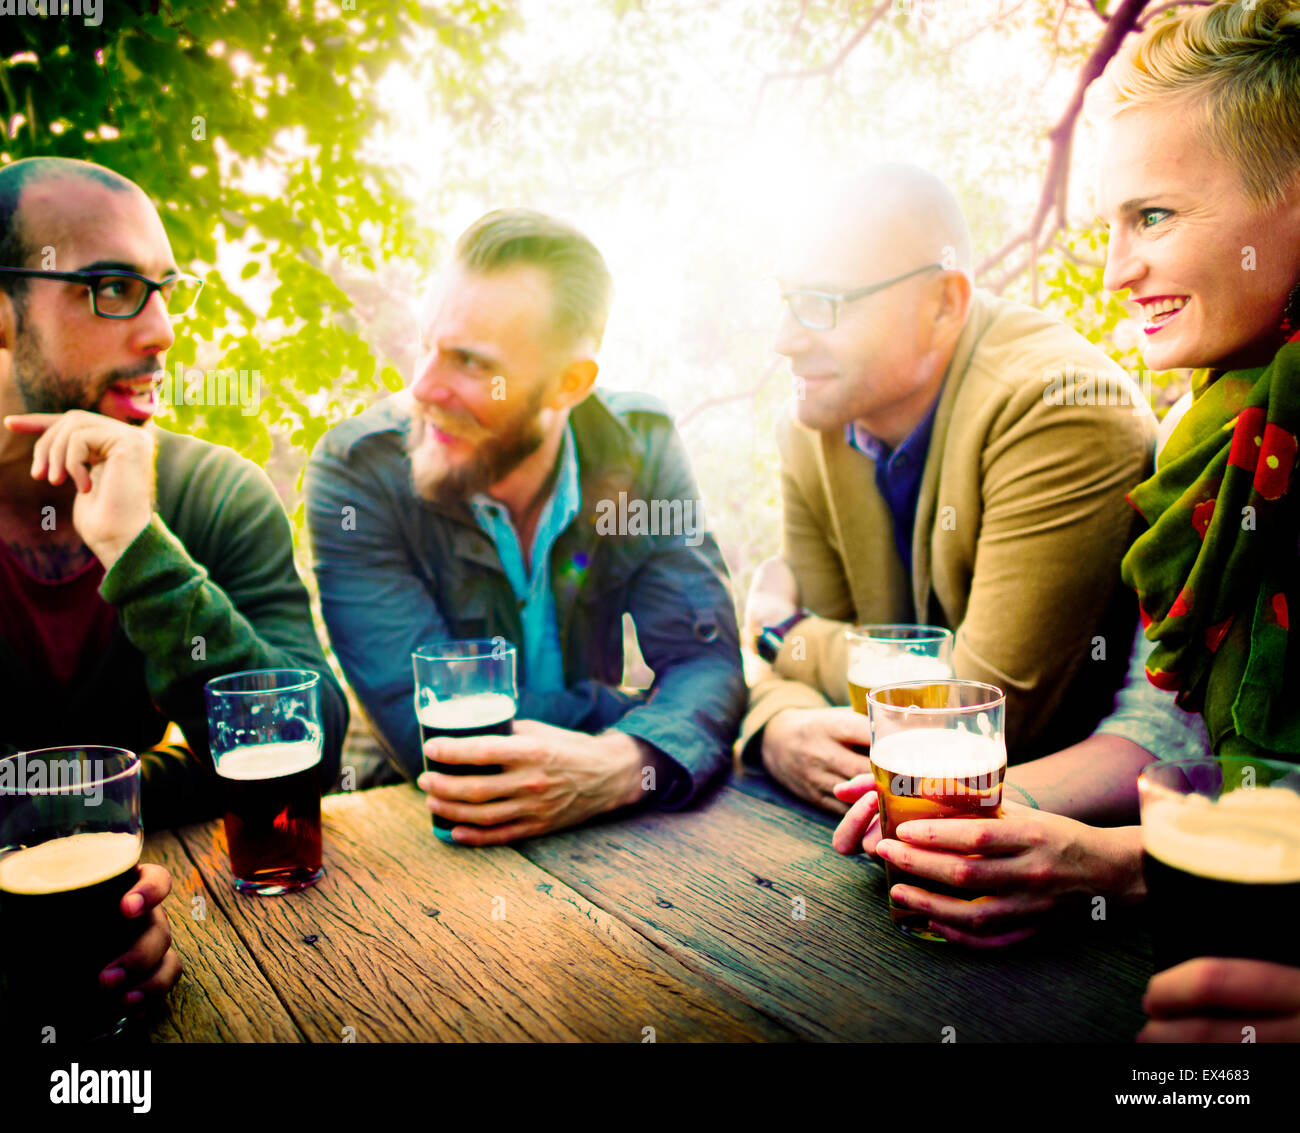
150	967
550	778
1030	865
111	464
1213	1000
773	597
804	750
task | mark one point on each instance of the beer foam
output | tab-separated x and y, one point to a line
268	761
464	712
1248	836
64	864
874	665
938	753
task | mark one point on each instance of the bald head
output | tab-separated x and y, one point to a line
872	323
899	216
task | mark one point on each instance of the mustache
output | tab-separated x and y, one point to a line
156	374
459	425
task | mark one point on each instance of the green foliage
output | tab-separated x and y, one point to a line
246	123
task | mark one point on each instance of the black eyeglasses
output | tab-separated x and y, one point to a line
123	294
819	310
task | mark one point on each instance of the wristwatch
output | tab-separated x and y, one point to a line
768	642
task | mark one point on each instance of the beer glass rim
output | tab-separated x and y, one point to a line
447	650
998	698
300	679
129	768
1149	777
931	633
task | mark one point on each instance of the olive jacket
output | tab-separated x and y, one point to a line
1020	527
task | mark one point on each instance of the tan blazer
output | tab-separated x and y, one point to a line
1020	527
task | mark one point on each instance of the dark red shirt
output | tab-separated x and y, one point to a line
58	628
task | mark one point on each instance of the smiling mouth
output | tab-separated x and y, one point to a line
1160	311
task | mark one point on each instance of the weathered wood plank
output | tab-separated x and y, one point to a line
407	939
221	995
723	888
756	782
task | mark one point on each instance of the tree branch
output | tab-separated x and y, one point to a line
728	398
841	55
1054	194
1151	15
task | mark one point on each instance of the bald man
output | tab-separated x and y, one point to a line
949	458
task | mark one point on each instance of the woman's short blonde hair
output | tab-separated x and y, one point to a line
1236	67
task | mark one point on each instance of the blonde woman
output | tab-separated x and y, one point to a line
1199	120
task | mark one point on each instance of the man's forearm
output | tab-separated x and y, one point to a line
1094	781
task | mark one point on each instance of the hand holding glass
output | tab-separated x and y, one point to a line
938	750
463	689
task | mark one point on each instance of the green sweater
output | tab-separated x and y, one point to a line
208	588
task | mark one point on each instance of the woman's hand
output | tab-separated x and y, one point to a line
1215	1000
1030	865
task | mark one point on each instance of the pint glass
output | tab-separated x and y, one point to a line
69	843
265	734
890	654
463	689
1221	855
938	750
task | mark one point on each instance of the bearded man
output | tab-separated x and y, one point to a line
501	496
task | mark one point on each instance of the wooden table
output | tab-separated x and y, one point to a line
735	921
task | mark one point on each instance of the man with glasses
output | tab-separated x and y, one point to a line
135	564
503	496
950	458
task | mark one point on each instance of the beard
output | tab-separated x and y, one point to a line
44	390
496	454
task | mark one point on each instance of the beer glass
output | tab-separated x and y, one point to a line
69	843
890	654
463	689
1221	855
938	750
265	734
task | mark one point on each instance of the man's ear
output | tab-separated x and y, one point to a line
575	383
954	302
8	322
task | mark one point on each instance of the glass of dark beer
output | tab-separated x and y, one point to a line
69	845
463	689
938	750
1221	855
265	735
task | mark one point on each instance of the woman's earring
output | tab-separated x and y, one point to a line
1291	313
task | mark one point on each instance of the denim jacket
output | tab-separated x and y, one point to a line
397	571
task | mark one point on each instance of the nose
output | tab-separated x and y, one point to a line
1123	267
432	383
791	335
151	329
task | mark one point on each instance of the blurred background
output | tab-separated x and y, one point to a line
314	162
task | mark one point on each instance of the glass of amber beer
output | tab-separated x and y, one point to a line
463	689
265	734
938	750
890	654
69	843
1221	856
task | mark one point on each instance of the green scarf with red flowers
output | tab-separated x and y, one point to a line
1217	571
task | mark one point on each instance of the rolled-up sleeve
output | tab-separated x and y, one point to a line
1148	716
